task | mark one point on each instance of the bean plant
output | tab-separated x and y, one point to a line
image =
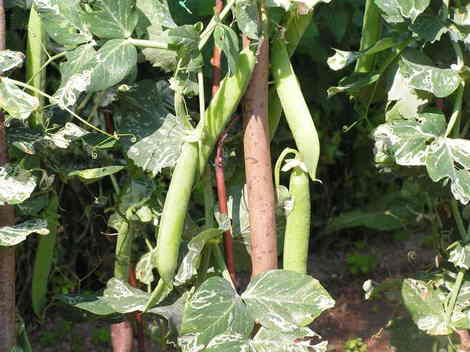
409	84
109	123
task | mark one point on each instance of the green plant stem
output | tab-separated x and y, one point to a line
459	221
371	32
456	112
219	258
143	43
454	294
34	62
205	36
48	62
85	122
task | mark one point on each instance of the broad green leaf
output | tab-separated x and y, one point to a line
246	15
165	59
460	256
156	12
64	21
214	309
92	303
16	185
112	63
142	110
396	11
445	158
162	148
429	28
124	298
285	300
355	81
190	264
32	206
438	81
77	60
13	235
92	175
426	308
144	268
408	140
10	60
65	136
227	40
270	340
18	104
113	19
229	342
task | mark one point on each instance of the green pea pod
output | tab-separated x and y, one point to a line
295	107
44	257
297	232
295	28
222	106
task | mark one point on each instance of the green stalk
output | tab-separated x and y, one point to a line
295	29
44	257
297	232
295	107
371	32
454	294
459	221
454	124
35	74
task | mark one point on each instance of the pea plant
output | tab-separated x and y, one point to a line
129	113
409	85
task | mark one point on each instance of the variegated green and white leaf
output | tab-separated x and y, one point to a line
229	343
215	309
10	59
68	94
438	81
66	135
13	235
124	298
407	140
426	309
190	264
16	185
64	21
270	340
460	256
395	11
162	148
78	60
285	300
18	104
91	303
246	15
113	19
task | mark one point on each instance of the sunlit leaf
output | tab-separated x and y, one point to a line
285	300
18	104
460	256
145	266
65	136
340	59
246	15
227	40
299	340
92	175
395	11
92	303
10	60
13	235
16	184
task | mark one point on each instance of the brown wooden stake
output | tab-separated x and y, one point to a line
138	315
258	168
7	254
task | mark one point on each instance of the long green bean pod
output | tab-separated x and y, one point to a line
222	106
44	257
296	26
297	232
35	72
295	107
371	31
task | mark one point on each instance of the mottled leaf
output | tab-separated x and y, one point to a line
214	309
438	81
18	104
395	11
460	256
113	19
124	298
246	15
16	184
13	235
429	28
68	94
285	300
355	81
10	60
145	266
190	264
65	136
64	21
299	340
162	148
426	308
